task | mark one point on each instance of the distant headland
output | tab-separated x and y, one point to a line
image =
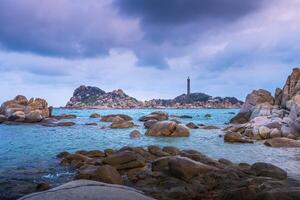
94	97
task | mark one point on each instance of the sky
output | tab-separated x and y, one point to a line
147	48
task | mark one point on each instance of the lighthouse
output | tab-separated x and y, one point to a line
188	92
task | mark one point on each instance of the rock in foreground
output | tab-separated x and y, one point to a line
170	173
88	190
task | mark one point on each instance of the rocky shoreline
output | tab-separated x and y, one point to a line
171	173
264	117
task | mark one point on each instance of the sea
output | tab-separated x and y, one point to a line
28	151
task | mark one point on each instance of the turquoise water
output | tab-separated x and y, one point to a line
36	146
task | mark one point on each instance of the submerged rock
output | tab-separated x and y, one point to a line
135	134
95	115
192	125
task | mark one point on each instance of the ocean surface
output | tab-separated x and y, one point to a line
31	149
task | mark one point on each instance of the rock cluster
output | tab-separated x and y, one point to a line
93	97
20	109
263	116
170	173
118	121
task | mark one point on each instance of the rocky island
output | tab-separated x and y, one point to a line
93	97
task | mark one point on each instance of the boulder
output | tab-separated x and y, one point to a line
291	87
240	118
18	116
65	116
263	109
124	124
33	116
282	142
191	125
110	118
235	137
185	168
169	129
295	107
275	133
171	150
161	164
157	151
149	123
88	190
104	173
158	115
135	134
255	98
75	160
3	118
268	170
95	115
22	100
125	160
264	132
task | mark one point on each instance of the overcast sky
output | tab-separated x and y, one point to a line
147	48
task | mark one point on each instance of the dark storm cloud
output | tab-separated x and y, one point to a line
174	12
65	28
73	28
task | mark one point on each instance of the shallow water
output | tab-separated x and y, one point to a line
35	146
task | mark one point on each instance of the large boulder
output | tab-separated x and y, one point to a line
233	137
111	118
34	116
291	88
255	98
158	115
268	170
88	190
104	173
168	128
20	109
3	118
185	168
241	118
124	124
295	107
125	160
282	142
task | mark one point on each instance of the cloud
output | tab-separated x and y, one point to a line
66	28
225	54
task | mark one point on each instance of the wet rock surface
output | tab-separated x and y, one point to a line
170	173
